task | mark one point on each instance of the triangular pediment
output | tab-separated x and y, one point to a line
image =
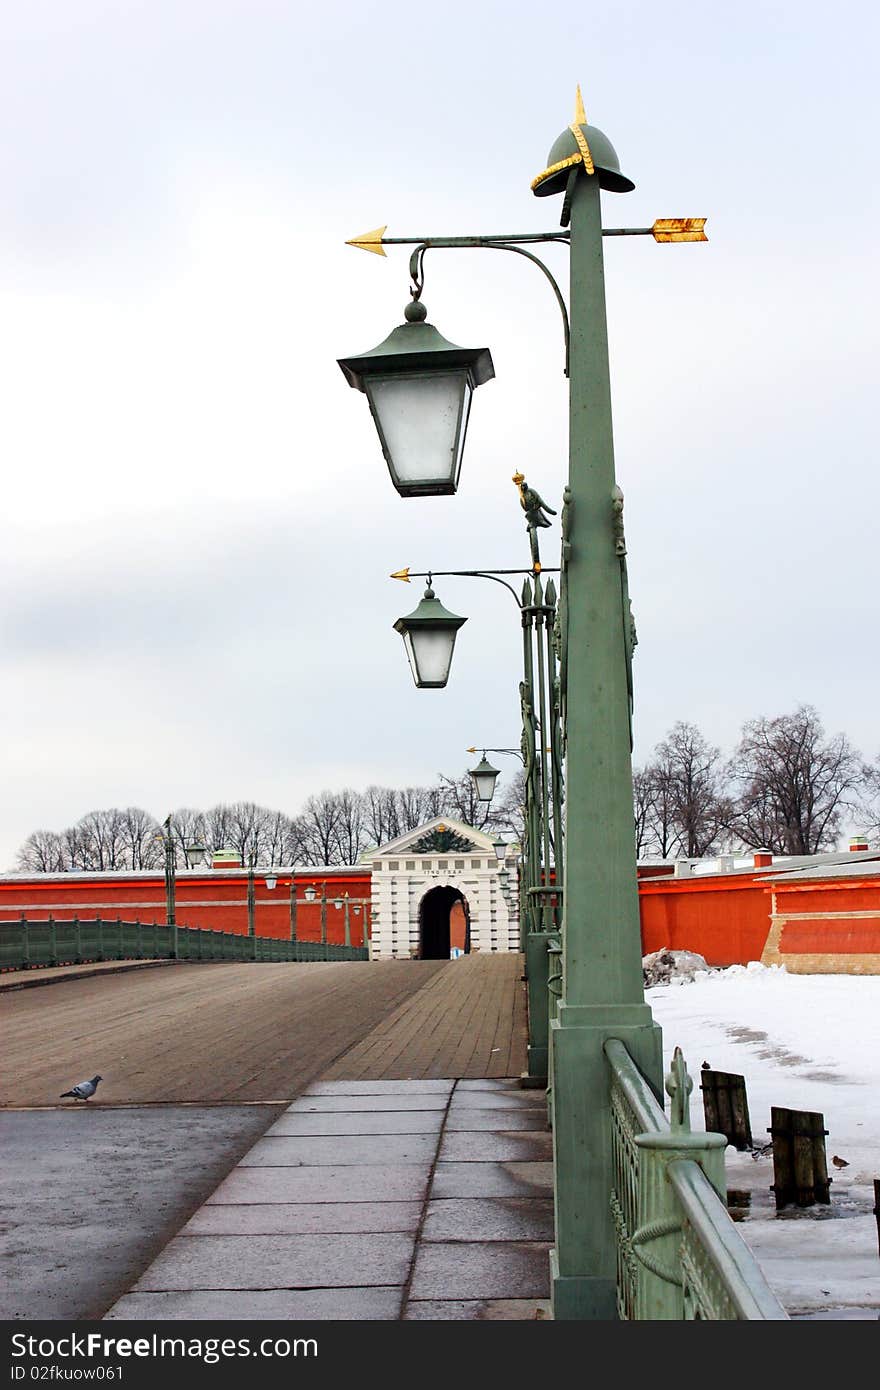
442	835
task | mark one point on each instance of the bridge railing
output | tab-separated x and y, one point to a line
26	943
679	1255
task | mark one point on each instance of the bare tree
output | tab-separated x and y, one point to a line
381	815
138	832
690	797
794	784
415	805
101	840
218	827
643	808
350	834
188	827
459	799
320	817
44	852
510	809
870	808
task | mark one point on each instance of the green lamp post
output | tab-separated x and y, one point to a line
602	995
602	992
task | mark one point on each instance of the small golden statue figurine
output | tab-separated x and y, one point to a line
534	507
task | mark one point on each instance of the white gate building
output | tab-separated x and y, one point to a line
424	881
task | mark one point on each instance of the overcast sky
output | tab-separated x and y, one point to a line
198	524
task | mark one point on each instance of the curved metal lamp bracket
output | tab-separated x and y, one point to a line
417	271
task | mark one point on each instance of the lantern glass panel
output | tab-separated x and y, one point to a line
430	655
485	784
422	419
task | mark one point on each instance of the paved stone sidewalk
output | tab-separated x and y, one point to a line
416	1199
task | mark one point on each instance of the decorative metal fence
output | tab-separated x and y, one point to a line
679	1255
24	943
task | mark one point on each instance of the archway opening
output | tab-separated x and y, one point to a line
444	924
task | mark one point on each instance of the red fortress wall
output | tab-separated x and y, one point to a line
214	899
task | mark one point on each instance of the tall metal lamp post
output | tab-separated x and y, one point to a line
419	389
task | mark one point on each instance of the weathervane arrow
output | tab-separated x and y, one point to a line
679	229
370	241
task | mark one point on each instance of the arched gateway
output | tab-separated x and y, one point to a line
444	925
440	887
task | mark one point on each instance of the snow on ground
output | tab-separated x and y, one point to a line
806	1042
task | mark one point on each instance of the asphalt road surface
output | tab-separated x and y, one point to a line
91	1191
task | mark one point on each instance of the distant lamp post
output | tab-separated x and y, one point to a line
500	848
195	854
310	893
419	388
429	634
252	908
167	839
484	777
271	879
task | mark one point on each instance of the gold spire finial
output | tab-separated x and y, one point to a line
580	115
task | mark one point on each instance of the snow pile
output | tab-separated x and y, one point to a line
666	967
754	969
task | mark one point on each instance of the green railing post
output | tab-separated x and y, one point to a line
77	936
554	994
53	941
25	942
656	1243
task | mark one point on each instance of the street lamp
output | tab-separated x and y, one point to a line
165	837
500	847
419	388
195	854
603	996
429	634
484	777
310	893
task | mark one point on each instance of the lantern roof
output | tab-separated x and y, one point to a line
416	345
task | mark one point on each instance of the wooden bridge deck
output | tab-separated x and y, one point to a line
469	1021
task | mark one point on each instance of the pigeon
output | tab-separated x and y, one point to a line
82	1090
839	1162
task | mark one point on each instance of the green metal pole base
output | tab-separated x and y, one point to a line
535	1079
585	1254
537	962
581	1300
